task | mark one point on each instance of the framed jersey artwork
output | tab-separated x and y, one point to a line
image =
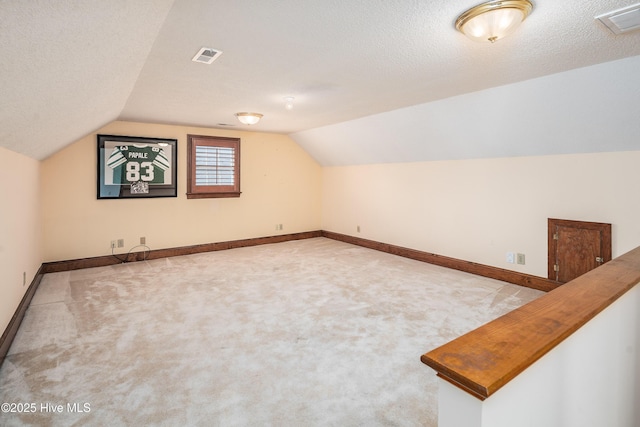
132	167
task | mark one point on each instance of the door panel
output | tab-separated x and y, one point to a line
577	252
576	247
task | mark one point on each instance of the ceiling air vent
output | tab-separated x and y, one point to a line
207	55
622	20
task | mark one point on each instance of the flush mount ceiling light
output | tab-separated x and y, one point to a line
493	20
288	102
249	118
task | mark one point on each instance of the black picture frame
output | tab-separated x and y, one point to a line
133	167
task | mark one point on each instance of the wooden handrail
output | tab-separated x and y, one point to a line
485	359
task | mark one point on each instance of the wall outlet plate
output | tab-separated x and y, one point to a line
511	257
520	259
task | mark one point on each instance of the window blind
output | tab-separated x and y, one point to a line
214	165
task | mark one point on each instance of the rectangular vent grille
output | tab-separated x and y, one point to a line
207	55
622	20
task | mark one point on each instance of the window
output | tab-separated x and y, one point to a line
214	167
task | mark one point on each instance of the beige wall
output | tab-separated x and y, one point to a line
477	210
20	253
280	184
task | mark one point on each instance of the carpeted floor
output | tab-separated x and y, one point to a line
305	333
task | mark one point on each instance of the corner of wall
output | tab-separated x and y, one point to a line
20	229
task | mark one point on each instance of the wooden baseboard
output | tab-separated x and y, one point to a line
510	276
101	261
514	277
12	328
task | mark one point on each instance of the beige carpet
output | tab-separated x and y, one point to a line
305	333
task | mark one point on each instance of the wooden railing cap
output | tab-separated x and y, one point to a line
485	359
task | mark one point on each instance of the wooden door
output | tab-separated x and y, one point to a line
576	247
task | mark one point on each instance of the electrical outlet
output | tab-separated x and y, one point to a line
113	244
143	240
358	228
24	278
520	258
511	257
278	226
121	243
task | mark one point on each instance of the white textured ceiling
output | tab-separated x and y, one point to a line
69	67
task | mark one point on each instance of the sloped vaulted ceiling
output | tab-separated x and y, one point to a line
587	110
69	67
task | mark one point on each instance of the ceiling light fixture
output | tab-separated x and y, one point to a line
249	118
493	20
288	102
